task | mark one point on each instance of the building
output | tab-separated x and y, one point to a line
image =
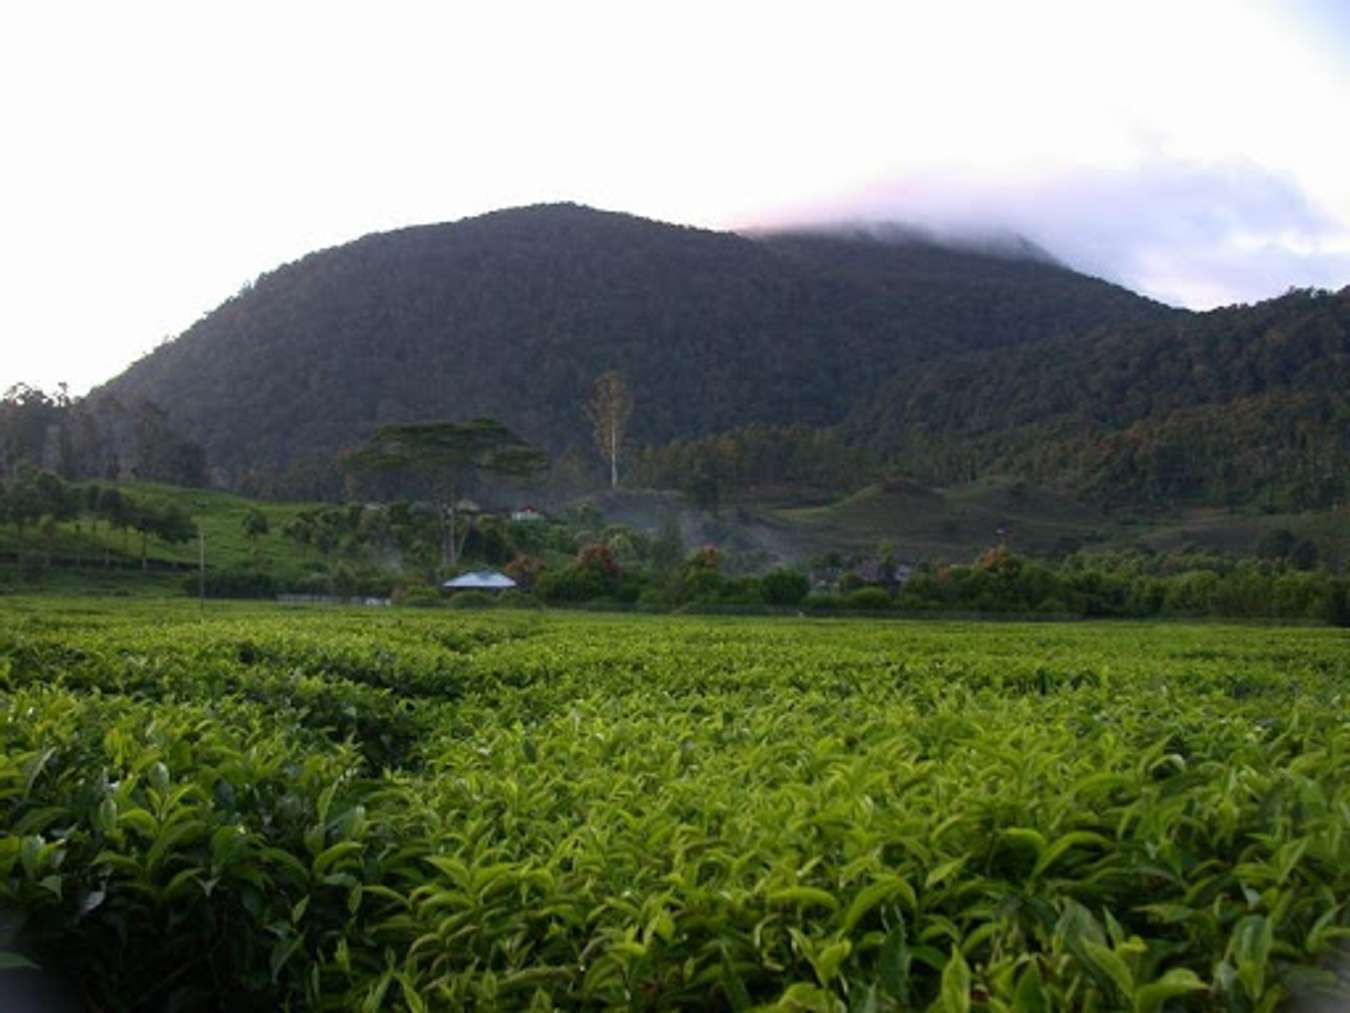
480	580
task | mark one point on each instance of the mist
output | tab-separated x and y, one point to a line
1193	235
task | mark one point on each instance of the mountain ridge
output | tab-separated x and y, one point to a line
514	313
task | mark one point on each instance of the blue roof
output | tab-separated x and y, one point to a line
489	580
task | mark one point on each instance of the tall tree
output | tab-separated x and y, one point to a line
608	410
447	455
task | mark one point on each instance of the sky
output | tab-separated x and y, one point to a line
156	157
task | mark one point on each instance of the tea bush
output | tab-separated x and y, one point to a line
347	809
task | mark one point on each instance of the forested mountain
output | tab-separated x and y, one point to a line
1237	404
94	437
514	314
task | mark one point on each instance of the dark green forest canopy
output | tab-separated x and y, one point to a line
1216	407
98	437
514	314
821	358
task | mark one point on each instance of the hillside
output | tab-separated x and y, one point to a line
1245	404
513	314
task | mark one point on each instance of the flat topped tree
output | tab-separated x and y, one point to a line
448	454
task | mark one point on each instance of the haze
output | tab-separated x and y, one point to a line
159	156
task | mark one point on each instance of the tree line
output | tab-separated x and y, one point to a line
34	502
97	437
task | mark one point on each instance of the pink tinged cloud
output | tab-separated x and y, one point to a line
1189	234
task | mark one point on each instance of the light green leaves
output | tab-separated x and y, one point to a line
619	811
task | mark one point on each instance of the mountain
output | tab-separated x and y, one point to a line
514	314
94	437
1237	404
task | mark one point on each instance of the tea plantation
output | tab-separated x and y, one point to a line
260	808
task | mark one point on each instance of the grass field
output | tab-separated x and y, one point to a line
369	809
220	515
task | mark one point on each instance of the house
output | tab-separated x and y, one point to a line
528	514
480	580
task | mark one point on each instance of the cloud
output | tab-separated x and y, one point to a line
1192	234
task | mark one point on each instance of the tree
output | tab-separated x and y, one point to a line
117	510
608	411
302	529
448	455
169	524
667	547
254	525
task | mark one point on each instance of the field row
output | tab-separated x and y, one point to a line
345	810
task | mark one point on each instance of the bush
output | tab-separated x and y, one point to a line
232	584
850	581
869	598
742	591
572	584
700	585
517	599
824	602
630	588
654	597
1338	603
311	583
784	587
472	600
344	579
33	567
418	596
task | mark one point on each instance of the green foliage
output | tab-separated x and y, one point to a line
1241	405
595	573
471	600
784	587
711	331
416	595
231	584
868	598
255	525
502	809
446	456
96	437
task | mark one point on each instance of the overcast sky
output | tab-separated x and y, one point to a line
154	157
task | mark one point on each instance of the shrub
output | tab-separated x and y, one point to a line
850	581
571	585
471	600
518	599
870	598
630	588
700	585
418	596
598	558
344	579
784	587
524	570
33	567
654	597
311	583
1338	603
742	591
231	584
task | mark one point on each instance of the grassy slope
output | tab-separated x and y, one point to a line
959	522
954	524
950	524
220	515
